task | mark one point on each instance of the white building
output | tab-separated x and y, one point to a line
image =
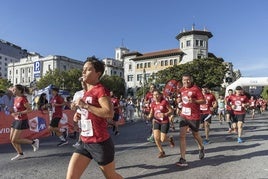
115	66
34	67
139	67
9	53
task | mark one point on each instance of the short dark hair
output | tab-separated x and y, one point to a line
97	64
22	89
54	88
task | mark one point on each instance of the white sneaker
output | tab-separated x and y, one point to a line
36	145
76	144
17	157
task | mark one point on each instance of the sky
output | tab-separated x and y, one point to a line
81	28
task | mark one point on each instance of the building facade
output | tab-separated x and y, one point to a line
32	68
9	53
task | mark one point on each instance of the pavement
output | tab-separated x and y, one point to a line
137	158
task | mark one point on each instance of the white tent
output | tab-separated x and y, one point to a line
248	81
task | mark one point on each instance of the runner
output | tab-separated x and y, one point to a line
221	109
57	103
20	122
77	115
147	101
252	106
160	112
192	97
207	111
229	111
116	106
239	102
96	108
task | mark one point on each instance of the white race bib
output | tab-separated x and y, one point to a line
186	111
238	108
86	128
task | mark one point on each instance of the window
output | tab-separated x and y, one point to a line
22	71
182	45
166	62
138	65
170	62
149	65
129	66
5	59
197	43
16	80
16	72
201	43
141	65
64	67
29	79
145	65
49	67
5	64
130	78
162	63
10	72
188	43
0	57
139	77
175	62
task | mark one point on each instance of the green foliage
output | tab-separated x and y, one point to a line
264	93
4	84
67	80
207	71
115	84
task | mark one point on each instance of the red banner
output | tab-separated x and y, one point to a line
38	122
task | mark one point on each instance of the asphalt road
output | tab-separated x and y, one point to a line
137	158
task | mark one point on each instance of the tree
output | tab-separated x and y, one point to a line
264	93
4	84
67	80
115	84
208	71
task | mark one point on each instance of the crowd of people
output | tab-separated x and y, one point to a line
96	107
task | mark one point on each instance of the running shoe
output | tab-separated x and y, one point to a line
230	131
171	141
151	139
201	153
206	141
162	155
65	133
239	140
35	145
182	163
77	144
17	157
116	133
62	143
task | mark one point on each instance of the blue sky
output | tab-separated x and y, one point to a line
81	28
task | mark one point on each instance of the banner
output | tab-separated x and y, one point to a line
38	122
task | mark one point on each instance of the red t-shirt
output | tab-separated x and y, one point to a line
159	108
19	105
227	101
57	110
94	128
116	104
191	111
238	101
205	108
252	103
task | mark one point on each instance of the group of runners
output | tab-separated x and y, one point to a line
94	105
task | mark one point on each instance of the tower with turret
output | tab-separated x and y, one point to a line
194	43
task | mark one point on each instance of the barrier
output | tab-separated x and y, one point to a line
38	122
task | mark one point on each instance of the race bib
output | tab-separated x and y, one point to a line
86	128
186	111
238	108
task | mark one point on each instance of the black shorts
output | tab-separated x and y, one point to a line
206	117
239	118
193	124
162	127
116	117
20	124
55	122
102	152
